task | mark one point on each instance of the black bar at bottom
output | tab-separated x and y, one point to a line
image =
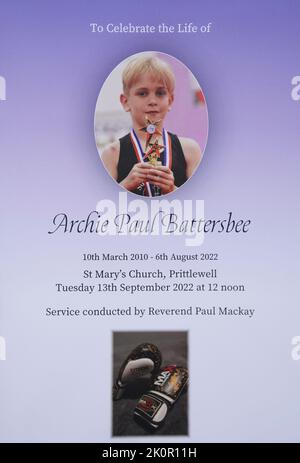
103	452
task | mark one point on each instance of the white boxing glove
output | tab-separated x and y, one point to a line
143	361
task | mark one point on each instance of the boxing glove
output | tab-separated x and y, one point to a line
143	361
154	405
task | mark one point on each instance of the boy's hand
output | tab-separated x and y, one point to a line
138	174
141	172
162	177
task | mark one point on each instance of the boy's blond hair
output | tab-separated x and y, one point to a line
152	65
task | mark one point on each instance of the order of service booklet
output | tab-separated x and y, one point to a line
149	221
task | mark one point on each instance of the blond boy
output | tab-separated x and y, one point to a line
148	93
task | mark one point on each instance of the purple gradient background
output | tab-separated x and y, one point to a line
55	383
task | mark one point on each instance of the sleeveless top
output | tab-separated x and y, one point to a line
127	159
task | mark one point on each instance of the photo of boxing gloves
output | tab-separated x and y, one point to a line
150	382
